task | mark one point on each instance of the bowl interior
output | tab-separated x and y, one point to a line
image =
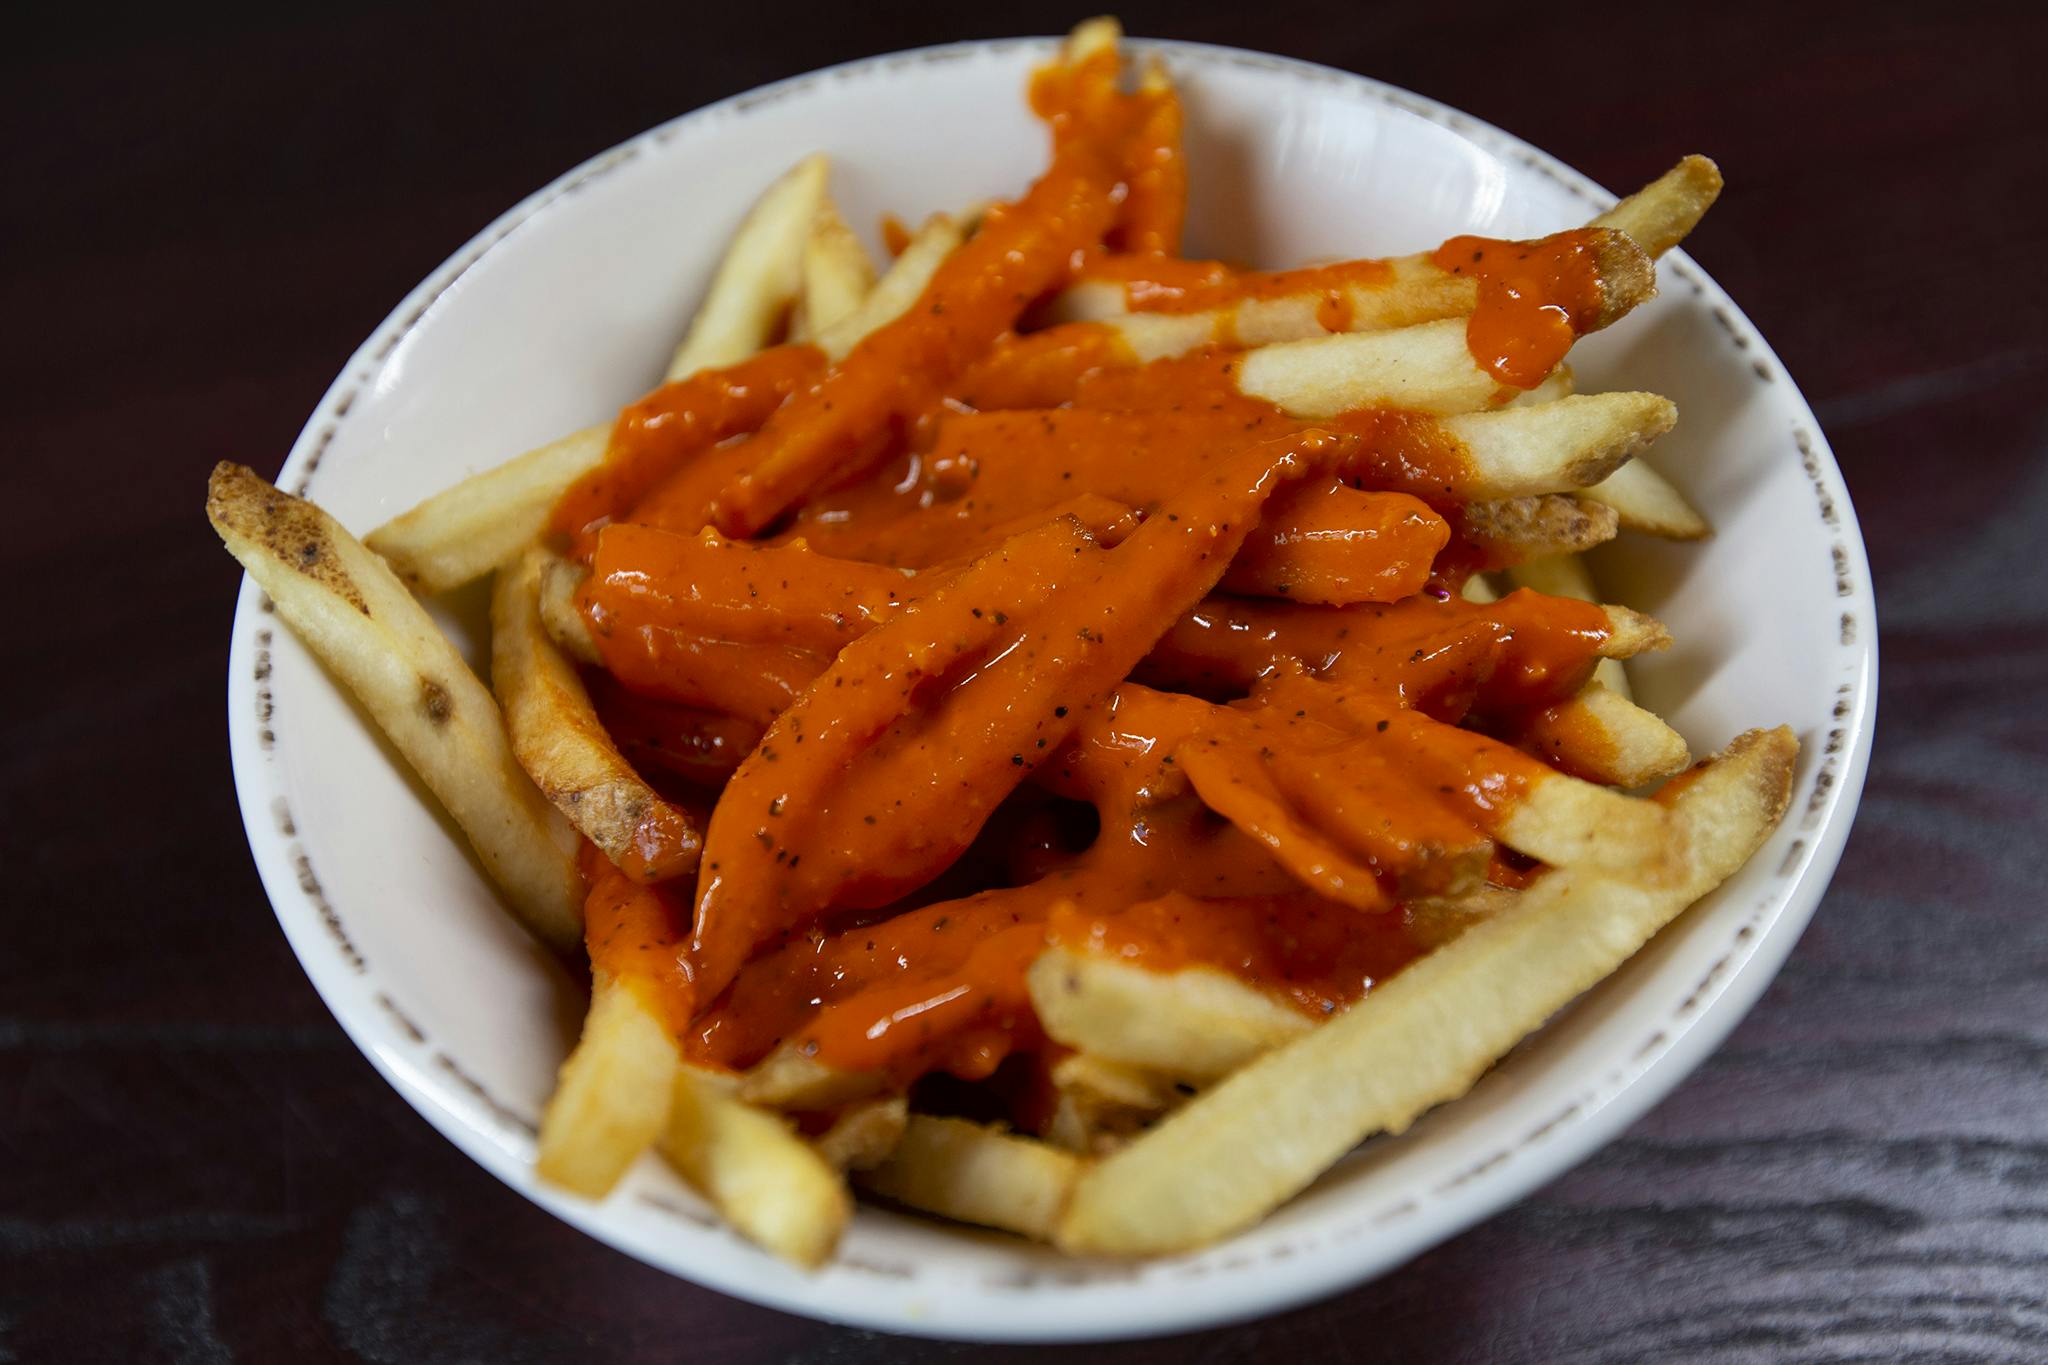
567	307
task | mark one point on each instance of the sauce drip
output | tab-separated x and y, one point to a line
1534	300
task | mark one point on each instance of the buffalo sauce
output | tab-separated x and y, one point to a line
1175	286
661	435
948	574
1534	300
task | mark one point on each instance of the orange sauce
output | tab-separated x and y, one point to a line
1172	286
676	423
1534	300
906	615
895	236
632	932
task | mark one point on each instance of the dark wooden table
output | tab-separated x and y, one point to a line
205	212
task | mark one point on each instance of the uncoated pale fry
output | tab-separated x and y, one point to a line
1661	214
1193	1025
864	1134
1567	823
1426	368
1631	633
354	614
972	1174
759	278
896	290
787	1078
837	274
1568	576
1646	501
1101	1103
770	1184
559	740
1604	737
1241	1149
1556	447
559	615
612	1096
463	533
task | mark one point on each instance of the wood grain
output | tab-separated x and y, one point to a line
207	211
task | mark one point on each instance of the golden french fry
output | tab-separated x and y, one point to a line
1101	1103
1404	291
1479	588
837	274
1561	383
612	1097
1565	822
463	533
1241	1149
1192	1025
771	1185
1555	447
1436	920
559	615
788	1079
1633	633
559	740
353	613
759	278
1604	737
898	288
1426	368
1646	501
1661	214
972	1174
865	1134
1512	530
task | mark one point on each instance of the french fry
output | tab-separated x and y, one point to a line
1516	529
559	615
865	1134
1604	737
1565	822
772	1186
758	280
612	1097
1426	1036
1561	383
1426	368
898	288
1632	633
1435	921
1101	1103
560	742
837	274
463	533
1646	501
789	1079
1556	447
355	615
1661	214
973	1174
1405	291
1193	1025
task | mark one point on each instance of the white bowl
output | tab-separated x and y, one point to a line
566	307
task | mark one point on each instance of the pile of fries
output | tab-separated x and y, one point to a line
1044	525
